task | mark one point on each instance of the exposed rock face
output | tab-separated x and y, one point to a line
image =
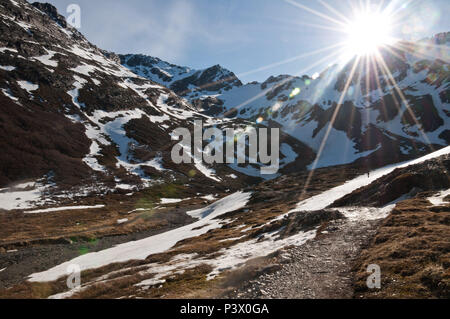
52	12
424	111
182	80
209	106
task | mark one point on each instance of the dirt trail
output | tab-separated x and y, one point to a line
319	269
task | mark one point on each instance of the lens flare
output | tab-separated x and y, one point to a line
367	32
276	107
294	93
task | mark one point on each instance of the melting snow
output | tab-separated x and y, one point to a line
74	94
47	59
170	200
19	198
237	255
59	209
439	199
208	172
209	197
122	221
366	213
84	69
28	86
141	249
7	68
326	198
7	92
2	50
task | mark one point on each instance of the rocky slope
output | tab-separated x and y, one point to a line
76	122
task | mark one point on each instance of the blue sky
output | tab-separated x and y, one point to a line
245	36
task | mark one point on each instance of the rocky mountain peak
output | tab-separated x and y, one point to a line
442	38
183	80
52	12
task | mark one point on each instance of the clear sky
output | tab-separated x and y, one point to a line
244	36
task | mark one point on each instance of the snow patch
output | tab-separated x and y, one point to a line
59	209
326	198
7	93
170	200
47	59
20	198
4	49
28	86
438	200
141	249
7	67
122	221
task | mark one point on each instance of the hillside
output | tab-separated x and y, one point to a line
79	123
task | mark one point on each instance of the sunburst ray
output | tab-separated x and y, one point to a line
330	126
317	13
394	83
263	93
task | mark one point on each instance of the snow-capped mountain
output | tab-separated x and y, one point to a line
182	80
375	120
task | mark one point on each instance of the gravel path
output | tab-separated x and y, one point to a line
319	269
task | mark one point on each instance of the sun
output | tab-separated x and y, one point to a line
367	33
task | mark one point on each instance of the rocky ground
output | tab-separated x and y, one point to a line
322	268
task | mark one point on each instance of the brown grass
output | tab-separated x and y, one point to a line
412	247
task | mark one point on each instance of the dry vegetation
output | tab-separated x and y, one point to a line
269	200
412	247
143	211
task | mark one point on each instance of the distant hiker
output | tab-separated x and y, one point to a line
367	168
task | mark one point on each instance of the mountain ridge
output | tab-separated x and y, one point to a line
292	102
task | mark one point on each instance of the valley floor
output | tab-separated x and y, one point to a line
263	242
